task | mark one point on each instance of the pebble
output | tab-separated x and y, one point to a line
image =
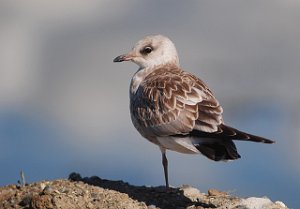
255	202
47	190
215	192
26	200
151	207
190	191
281	204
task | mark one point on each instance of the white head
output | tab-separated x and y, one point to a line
151	51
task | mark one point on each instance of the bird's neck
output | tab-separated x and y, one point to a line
142	73
138	78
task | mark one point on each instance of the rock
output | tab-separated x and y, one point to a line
41	202
192	193
281	204
255	202
261	203
26	200
94	192
215	192
47	190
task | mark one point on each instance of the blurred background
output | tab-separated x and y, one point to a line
64	104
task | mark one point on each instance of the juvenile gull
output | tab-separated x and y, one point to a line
176	110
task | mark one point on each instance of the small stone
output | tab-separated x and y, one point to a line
41	202
64	190
89	205
56	191
255	202
12	201
25	201
42	185
94	195
281	204
190	191
47	190
214	192
151	207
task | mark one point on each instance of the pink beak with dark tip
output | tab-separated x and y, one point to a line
122	58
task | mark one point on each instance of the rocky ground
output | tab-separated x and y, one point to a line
96	193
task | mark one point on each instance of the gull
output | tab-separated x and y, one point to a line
176	110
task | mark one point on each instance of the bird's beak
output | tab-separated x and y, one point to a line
123	57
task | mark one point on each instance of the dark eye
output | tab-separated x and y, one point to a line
146	50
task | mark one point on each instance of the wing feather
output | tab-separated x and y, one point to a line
170	101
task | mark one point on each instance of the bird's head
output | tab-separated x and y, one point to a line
151	51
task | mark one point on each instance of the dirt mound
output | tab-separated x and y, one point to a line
96	193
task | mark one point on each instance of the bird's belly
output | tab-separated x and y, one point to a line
183	145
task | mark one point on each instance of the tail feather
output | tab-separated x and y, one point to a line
219	145
223	150
240	135
227	132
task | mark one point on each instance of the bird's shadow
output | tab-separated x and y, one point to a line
157	196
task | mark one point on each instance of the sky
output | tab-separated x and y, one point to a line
64	105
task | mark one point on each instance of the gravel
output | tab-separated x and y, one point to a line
96	193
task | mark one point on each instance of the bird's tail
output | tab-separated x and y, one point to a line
235	134
229	133
222	150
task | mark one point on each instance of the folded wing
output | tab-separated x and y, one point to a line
170	101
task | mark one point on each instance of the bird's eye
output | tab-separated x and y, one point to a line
146	50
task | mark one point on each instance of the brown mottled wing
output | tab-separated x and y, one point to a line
170	101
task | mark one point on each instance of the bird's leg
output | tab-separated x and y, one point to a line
165	164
